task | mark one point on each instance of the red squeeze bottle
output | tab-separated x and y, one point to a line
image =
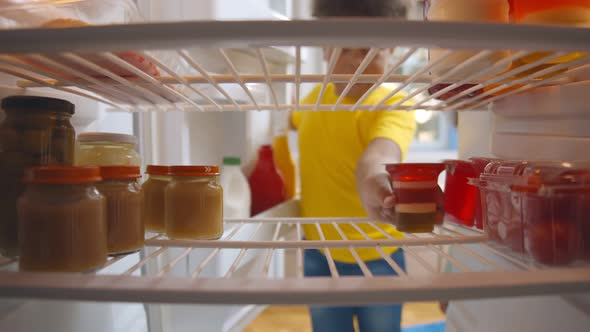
266	183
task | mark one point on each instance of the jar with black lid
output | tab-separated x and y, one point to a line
36	131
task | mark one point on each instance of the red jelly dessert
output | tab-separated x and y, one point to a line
554	211
501	209
460	197
416	191
479	165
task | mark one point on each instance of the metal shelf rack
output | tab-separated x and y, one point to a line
63	62
177	280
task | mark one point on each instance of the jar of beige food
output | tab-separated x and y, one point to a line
62	225
125	228
153	191
194	203
107	149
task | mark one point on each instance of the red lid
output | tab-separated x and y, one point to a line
157	170
194	170
62	174
546	178
120	172
415	172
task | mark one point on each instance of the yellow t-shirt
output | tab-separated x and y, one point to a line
330	144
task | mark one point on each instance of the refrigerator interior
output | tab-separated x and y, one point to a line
205	94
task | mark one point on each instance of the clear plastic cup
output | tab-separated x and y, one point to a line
416	189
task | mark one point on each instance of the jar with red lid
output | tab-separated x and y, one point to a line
555	211
416	194
153	192
62	225
194	203
124	198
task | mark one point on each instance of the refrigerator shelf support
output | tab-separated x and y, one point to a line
185	271
538	56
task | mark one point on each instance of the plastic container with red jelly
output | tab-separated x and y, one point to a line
501	208
479	165
460	197
556	211
416	190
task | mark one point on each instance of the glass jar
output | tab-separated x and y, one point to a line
124	208
35	132
194	203
62	225
107	149
154	190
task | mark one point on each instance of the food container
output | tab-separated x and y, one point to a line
416	190
62	225
479	165
194	203
562	12
107	149
124	199
494	11
35	132
501	208
154	189
460	197
555	211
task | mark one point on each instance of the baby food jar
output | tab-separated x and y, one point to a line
107	149
416	191
125	230
62	225
35	132
154	190
194	203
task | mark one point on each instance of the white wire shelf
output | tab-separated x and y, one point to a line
172	271
60	59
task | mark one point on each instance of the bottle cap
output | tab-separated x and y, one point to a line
231	161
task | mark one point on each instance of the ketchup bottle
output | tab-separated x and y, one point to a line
266	183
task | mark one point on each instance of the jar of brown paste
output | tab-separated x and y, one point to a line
194	203
125	230
62	224
153	190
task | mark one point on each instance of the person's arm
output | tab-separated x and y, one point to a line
373	182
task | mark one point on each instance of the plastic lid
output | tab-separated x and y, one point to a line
546	178
231	161
194	170
451	165
62	174
107	137
415	171
157	170
34	103
120	172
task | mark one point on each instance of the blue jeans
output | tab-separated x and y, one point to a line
376	318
